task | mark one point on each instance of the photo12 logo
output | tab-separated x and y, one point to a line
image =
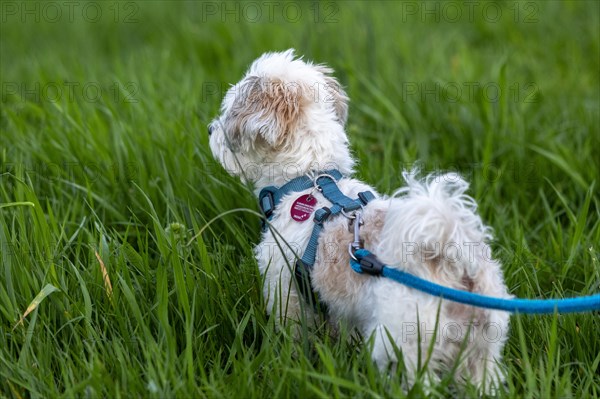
69	11
270	11
469	11
317	92
468	92
53	92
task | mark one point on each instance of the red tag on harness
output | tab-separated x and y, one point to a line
303	207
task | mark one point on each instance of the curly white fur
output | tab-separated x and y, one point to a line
286	118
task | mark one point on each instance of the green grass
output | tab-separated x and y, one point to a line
121	172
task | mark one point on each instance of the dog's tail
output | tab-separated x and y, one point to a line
432	229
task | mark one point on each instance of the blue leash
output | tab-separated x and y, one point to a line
363	261
367	263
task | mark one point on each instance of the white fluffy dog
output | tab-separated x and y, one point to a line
286	119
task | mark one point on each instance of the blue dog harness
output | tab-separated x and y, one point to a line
363	261
326	183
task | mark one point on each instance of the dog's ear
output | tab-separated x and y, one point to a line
264	111
335	94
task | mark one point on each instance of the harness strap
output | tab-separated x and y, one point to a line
304	266
270	197
321	215
310	253
330	190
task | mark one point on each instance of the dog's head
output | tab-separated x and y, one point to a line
285	118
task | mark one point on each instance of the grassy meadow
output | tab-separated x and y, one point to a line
113	283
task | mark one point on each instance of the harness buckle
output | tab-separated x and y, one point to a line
267	203
365	197
322	215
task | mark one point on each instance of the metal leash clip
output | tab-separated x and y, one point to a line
356	244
